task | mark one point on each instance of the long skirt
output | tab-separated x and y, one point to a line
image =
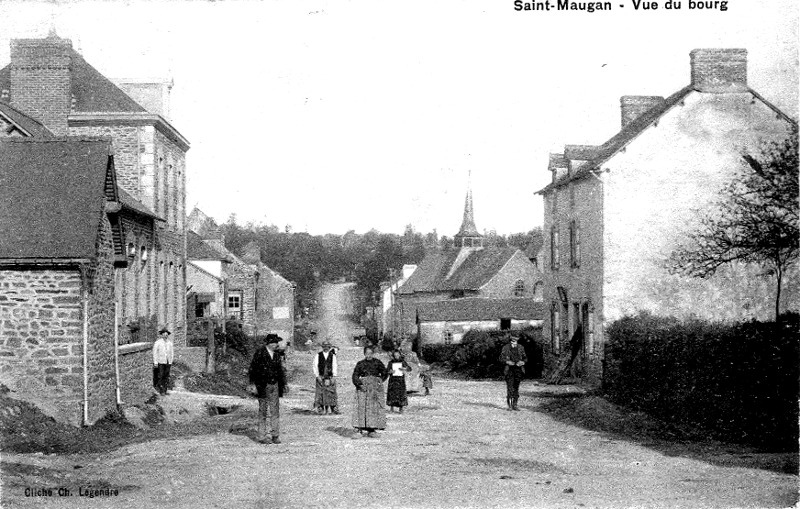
370	412
325	395
396	393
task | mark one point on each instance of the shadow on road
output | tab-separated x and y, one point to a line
616	423
486	405
341	431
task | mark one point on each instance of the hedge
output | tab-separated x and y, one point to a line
478	353
738	382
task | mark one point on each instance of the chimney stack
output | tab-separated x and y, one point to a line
719	70
41	83
252	253
633	106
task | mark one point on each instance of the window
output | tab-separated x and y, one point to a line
555	327
538	291
235	305
448	337
519	288
574	245
554	248
505	324
590	330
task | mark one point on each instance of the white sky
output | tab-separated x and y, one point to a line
338	115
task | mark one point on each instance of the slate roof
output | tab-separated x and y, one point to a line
52	197
31	126
480	266
91	91
133	205
197	249
601	154
479	309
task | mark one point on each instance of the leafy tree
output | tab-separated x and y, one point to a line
755	221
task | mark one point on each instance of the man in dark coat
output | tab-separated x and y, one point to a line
266	379
514	358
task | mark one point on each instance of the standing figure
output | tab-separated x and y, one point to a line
325	371
163	355
396	391
266	378
427	379
514	358
368	376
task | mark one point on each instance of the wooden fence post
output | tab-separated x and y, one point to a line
210	348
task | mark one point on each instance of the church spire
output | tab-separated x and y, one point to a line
468	235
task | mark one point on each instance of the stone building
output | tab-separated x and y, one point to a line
469	270
256	295
60	241
614	213
49	81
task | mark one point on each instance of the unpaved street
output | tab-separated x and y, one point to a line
457	447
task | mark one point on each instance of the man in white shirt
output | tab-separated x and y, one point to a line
163	355
325	371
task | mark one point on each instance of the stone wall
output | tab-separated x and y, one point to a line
136	284
135	372
41	333
151	168
101	371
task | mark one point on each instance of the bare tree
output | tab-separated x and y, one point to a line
755	220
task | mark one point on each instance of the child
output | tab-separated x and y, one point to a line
427	380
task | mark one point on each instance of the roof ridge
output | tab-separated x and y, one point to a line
59	139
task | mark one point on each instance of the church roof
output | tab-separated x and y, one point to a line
477	269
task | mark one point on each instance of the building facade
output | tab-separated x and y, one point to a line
614	213
60	245
51	82
468	270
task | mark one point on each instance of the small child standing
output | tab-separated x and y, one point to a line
427	379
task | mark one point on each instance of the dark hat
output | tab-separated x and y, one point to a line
272	338
163	330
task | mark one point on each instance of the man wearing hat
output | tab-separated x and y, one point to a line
325	370
163	355
266	378
514	358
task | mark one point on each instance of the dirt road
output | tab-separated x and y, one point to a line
457	447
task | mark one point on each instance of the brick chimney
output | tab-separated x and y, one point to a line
41	82
633	106
719	70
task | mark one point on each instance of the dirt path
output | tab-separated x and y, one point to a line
457	447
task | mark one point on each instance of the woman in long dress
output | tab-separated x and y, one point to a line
368	376
396	392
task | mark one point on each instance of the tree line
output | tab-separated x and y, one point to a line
367	258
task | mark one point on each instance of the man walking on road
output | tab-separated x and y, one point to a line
514	358
266	377
325	371
163	355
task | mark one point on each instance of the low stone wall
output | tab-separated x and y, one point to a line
135	372
192	356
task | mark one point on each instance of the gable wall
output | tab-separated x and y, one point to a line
501	286
657	191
